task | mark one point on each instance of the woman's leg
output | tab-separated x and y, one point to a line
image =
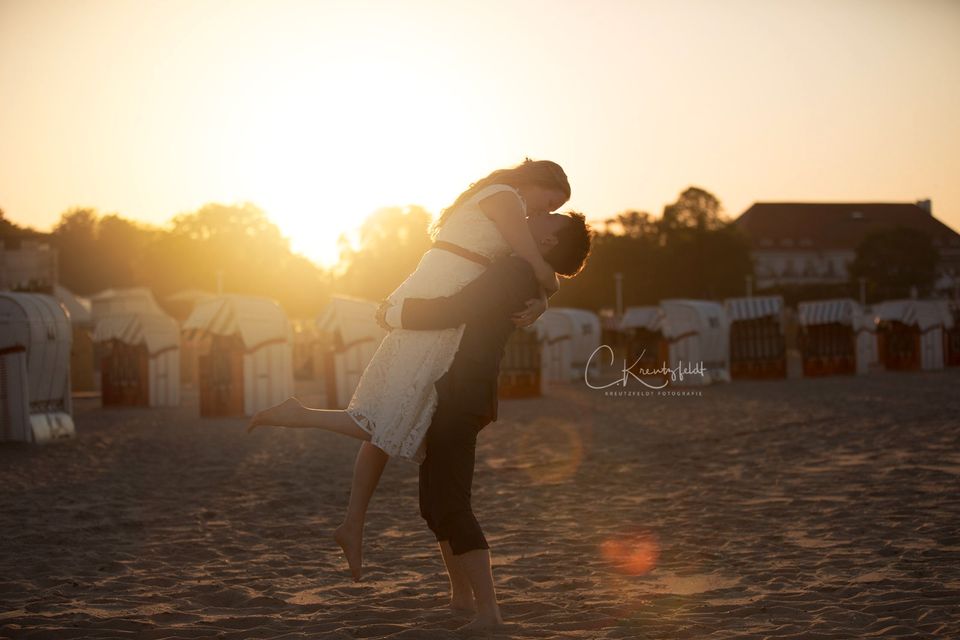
290	413
366	476
366	470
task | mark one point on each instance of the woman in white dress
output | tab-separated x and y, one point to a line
395	399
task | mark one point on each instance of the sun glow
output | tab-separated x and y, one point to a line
321	157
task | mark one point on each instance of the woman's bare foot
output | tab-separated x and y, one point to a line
350	540
275	415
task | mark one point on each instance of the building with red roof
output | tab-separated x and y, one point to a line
796	243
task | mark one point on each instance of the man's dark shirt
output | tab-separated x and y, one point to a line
486	306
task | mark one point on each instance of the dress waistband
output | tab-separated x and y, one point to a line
460	251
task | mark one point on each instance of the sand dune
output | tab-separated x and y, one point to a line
803	509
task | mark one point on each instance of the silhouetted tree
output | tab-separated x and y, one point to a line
240	247
75	238
391	242
9	228
692	251
237	242
632	224
695	209
705	256
121	244
627	244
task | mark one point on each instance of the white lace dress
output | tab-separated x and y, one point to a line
395	398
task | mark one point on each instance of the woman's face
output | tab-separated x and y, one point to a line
541	200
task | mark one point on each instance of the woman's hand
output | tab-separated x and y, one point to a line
381	316
535	309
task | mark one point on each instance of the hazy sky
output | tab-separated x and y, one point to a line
320	112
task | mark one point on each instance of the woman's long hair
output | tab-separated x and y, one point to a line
539	172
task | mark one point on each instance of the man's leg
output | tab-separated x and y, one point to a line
476	566
461	595
461	591
452	443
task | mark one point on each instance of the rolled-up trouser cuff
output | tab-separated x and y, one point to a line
461	530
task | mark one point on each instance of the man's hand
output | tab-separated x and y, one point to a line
547	277
535	308
381	315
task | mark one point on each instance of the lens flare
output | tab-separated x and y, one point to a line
632	555
551	451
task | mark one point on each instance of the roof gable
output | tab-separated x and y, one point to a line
818	226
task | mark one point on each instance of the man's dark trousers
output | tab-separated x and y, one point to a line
446	477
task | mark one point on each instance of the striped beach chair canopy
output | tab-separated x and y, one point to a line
257	320
352	318
191	296
683	316
116	301
645	317
77	307
753	307
159	332
925	314
842	310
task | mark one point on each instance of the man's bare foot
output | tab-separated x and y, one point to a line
464	606
486	622
274	415
351	541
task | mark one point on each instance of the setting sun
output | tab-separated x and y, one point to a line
320	163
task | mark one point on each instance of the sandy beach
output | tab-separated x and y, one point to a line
815	508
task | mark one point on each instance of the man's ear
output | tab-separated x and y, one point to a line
550	241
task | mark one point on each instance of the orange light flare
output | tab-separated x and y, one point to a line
632	554
550	451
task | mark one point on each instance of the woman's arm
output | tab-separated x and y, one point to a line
507	213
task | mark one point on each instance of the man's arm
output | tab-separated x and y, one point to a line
500	290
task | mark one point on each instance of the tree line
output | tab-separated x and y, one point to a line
692	250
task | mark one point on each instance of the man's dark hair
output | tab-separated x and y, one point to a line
570	253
